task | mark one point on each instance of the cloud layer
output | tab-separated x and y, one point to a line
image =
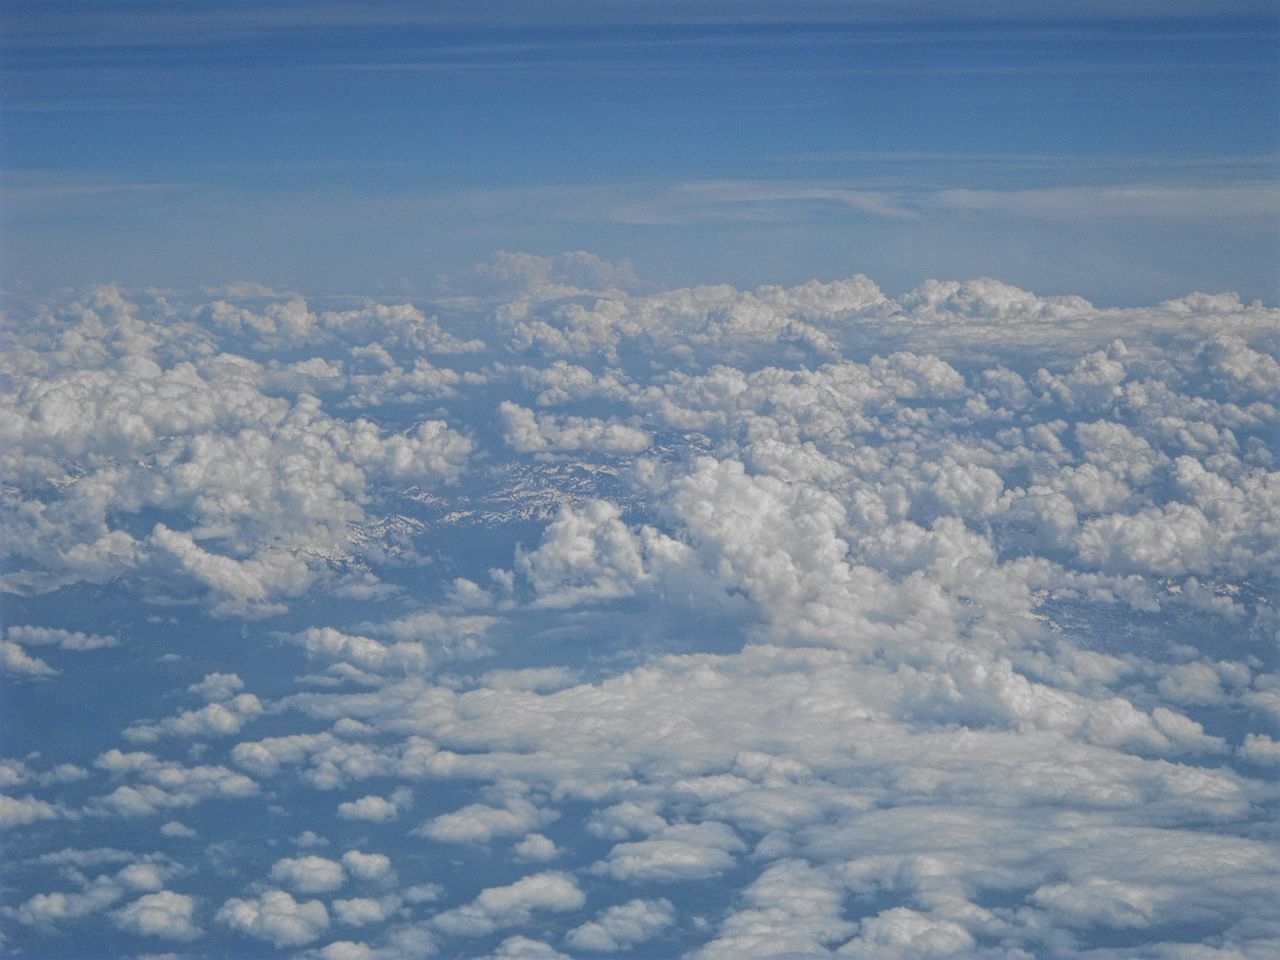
559	619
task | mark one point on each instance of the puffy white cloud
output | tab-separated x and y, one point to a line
532	678
159	913
987	301
363	652
943	618
17	661
50	909
217	687
164	784
677	852
512	905
526	432
164	914
902	932
143	876
560	382
368	866
790	909
20	811
364	911
309	874
55	637
480	823
81	858
623	926
536	848
372	808
1260	749
396	385
625	820
401	324
265	757
589	554
422	892
715	320
574	270
1247	369
275	916
123	431
523	948
345	950
442	633
333	761
221	719
1191	683
14	772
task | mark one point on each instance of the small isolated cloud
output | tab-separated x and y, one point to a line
375	809
56	637
164	914
536	848
17	661
217	687
276	917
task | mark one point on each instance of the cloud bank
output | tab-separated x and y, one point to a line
560	619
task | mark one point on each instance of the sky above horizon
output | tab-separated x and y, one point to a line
384	148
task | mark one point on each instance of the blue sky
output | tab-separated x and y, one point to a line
376	148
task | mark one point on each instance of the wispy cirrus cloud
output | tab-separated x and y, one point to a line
1255	201
135	23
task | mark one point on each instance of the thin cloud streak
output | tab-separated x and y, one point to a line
788	200
29	25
